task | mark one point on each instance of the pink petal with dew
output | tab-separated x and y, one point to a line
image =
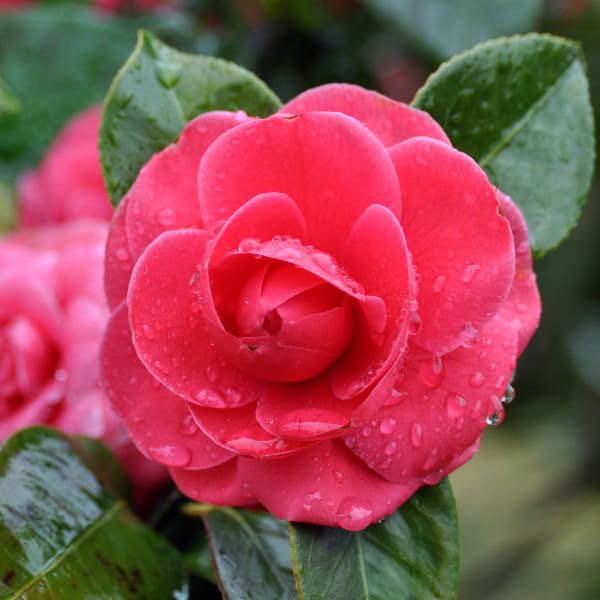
220	485
461	245
237	430
438	406
168	328
376	256
523	302
325	485
118	262
391	121
329	164
304	411
165	193
159	422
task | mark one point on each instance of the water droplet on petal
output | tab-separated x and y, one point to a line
455	405
188	426
210	398
367	431
414	324
354	513
390	448
211	374
477	379
122	254
148	331
288	254
395	397
509	395
387	426
439	283
248	244
416	435
61	375
431	371
338	476
166	216
172	455
325	262
469	273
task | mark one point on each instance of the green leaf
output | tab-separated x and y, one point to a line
9	103
440	29
251	554
154	95
57	62
412	554
63	535
520	106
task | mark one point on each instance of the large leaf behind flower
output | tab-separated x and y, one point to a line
63	534
411	554
9	104
156	92
520	106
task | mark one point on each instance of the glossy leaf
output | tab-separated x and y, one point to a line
440	29
251	554
9	103
63	535
411	554
156	92
56	62
520	106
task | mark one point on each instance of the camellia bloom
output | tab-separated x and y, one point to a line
317	312
52	315
68	184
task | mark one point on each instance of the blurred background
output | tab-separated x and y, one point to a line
529	503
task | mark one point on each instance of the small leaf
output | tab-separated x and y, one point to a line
156	92
412	554
9	103
63	535
251	554
520	106
440	29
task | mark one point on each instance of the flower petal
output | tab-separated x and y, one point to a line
325	485
523	302
313	158
376	255
465	255
118	262
220	485
168	329
165	193
427	421
159	422
392	122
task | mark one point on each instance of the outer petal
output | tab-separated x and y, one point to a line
237	430
329	164
326	485
461	246
167	324
165	193
437	408
523	302
392	122
304	411
377	257
158	421
118	262
220	485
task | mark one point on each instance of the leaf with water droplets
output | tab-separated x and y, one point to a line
251	554
64	532
520	106
156	92
411	554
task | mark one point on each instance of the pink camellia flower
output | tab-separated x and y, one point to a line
318	312
52	315
68	184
